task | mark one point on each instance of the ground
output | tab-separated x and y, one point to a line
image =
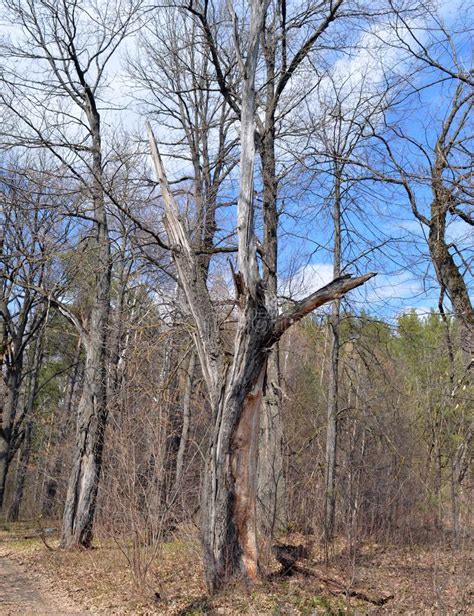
128	579
24	592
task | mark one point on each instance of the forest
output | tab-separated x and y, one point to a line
236	321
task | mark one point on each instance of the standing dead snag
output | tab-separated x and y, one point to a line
235	386
235	392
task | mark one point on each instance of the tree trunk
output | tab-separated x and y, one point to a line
12	393
333	389
4	454
229	491
451	279
332	428
3	355
56	466
25	452
83	483
447	272
271	482
186	421
229	522
32	390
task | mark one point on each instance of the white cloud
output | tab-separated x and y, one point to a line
307	280
403	285
460	233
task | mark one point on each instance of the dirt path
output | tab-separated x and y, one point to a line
22	593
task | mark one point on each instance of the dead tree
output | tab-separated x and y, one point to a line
280	64
235	384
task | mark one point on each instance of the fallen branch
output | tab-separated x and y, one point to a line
288	555
336	587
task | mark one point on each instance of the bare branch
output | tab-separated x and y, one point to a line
334	290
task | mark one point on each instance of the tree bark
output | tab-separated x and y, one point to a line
91	419
92	410
12	393
450	278
229	522
20	479
229	494
183	441
271	481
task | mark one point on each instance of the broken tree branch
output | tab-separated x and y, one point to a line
334	290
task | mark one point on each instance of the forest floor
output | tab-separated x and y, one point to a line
38	578
25	592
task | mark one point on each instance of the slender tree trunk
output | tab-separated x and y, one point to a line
4	455
186	420
271	482
83	483
455	513
25	451
333	389
20	479
3	355
54	471
165	447
271	479
12	393
460	465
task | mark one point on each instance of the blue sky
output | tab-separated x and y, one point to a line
381	233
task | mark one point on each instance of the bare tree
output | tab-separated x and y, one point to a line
25	224
349	101
281	25
445	167
72	45
235	384
437	186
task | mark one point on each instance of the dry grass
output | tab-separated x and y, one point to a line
424	579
